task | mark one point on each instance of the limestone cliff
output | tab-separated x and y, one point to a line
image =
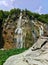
30	34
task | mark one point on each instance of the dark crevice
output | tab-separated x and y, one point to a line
43	44
40	47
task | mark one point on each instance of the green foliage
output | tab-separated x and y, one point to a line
29	13
14	13
36	15
43	18
1	14
4	54
6	14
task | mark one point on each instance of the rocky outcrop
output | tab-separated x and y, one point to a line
33	56
10	36
31	31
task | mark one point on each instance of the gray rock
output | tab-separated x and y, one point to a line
29	57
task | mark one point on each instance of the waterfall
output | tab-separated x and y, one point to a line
19	39
41	30
19	22
34	35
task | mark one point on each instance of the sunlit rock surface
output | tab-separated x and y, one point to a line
36	55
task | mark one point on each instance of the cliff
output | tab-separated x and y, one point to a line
30	28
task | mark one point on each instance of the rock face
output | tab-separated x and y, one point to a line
10	37
29	30
8	34
36	55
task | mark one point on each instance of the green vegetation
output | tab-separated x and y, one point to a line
16	12
43	18
4	54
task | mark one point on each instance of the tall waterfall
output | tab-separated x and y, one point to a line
19	39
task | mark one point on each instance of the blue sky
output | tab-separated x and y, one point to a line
40	6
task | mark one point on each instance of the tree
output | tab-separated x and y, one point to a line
43	18
15	13
6	14
29	13
36	15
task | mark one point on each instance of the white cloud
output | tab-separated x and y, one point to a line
12	3
12	0
4	3
39	10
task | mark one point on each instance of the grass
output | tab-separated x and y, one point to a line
4	54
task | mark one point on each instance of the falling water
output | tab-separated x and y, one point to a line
41	30
19	22
34	35
19	33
